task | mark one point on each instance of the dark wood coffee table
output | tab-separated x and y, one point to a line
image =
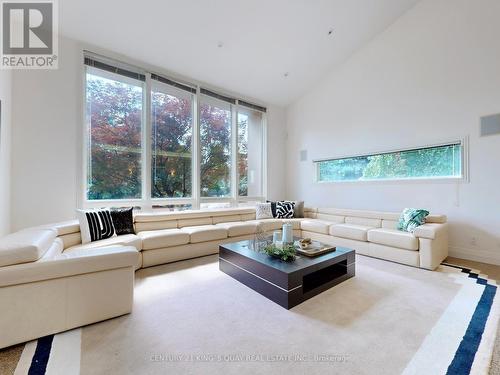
286	283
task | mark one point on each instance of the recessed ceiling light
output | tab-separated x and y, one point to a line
330	32
286	74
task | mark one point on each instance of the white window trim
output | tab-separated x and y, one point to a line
464	178
146	203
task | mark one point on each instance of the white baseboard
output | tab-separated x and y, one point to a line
477	255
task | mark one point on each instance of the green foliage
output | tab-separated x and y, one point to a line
115	112
286	254
172	138
442	161
243	155
215	141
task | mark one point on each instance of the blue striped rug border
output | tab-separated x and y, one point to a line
466	352
41	357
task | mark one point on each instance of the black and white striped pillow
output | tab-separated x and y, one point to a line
95	225
284	210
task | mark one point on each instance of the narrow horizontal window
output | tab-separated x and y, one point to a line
443	161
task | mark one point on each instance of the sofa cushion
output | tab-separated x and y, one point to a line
203	233
431	231
363	221
316	226
194	222
125	240
295	222
394	238
331	218
351	231
65	227
25	246
157	239
69	264
239	228
268	224
154	225
226	219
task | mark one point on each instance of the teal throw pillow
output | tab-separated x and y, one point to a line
411	218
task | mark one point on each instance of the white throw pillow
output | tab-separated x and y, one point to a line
95	225
263	211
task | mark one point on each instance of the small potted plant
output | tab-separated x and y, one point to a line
285	253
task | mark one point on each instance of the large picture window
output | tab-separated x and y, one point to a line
114	118
443	161
156	143
215	147
172	135
250	150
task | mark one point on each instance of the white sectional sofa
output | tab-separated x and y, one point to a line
50	282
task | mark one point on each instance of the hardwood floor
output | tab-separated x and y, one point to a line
491	270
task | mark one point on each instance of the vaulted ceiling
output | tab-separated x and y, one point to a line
269	50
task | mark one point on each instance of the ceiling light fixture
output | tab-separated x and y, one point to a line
286	74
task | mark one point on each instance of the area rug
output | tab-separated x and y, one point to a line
189	318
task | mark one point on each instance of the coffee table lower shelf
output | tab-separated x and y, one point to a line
287	285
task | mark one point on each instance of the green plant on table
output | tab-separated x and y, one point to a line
286	253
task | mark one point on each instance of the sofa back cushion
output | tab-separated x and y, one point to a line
226	219
154	225
436	219
25	246
389	224
145	221
181	223
71	239
333	218
247	217
310	212
365	214
375	223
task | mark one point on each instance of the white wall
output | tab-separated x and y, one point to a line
46	113
46	141
5	143
427	78
276	153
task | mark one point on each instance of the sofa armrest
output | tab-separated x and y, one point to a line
69	264
430	230
433	244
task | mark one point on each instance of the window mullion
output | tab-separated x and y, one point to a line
195	176
234	156
264	156
146	149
